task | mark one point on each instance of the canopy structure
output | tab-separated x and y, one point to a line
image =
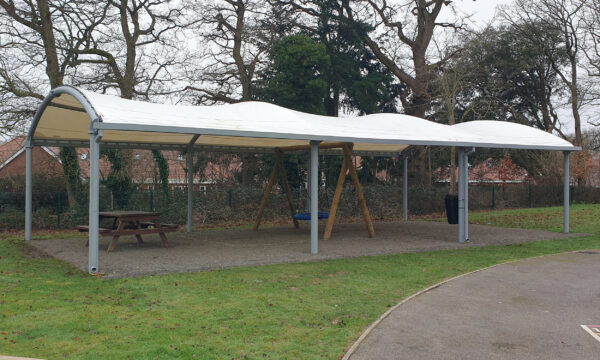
69	116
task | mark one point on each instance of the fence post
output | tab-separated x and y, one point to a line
573	194
58	212
530	197
229	197
493	196
151	200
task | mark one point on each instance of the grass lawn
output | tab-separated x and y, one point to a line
294	311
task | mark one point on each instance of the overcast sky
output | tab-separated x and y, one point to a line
482	10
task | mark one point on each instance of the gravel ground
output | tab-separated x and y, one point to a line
218	249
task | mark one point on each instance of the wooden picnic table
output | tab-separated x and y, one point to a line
136	223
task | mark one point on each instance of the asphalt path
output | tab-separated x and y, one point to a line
530	309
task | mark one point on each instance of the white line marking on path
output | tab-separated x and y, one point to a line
593	330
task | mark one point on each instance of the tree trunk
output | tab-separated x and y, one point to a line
575	105
68	155
47	33
420	97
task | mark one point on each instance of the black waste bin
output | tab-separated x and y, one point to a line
452	208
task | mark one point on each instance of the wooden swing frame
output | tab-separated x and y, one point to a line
347	167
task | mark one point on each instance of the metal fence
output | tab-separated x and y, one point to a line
225	205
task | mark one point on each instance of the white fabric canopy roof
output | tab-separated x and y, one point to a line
257	125
72	116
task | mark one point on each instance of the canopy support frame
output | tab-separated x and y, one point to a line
463	194
189	157
94	202
566	183
97	127
466	189
314	196
28	188
462	197
405	187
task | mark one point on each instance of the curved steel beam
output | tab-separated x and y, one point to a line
95	136
54	93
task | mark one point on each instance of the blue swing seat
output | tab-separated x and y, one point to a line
306	216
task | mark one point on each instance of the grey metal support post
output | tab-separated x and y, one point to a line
189	158
314	197
28	190
566	184
95	137
466	191
190	188
308	187
405	188
461	195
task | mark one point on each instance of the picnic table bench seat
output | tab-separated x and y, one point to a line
105	231
150	224
86	228
135	223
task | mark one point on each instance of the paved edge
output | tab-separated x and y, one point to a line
368	330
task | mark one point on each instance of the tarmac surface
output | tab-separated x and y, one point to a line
530	309
217	249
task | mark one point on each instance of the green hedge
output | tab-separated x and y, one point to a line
221	204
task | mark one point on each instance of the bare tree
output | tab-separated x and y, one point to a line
565	17
135	49
592	48
39	40
400	34
450	82
512	75
401	42
236	35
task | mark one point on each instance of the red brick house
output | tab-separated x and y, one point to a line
46	161
145	172
490	171
12	160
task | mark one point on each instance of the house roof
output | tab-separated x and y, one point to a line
65	117
10	149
